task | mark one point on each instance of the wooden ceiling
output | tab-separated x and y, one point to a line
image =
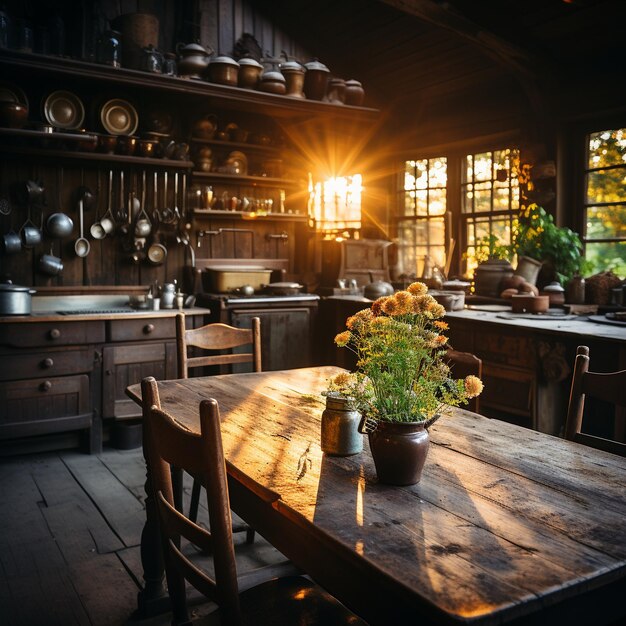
488	59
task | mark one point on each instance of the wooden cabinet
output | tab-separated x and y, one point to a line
285	335
288	327
61	376
48	374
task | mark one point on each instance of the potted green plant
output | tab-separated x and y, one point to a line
402	382
493	259
535	235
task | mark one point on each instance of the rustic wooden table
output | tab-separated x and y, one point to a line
507	525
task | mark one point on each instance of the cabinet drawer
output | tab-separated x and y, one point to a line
36	335
14	366
44	405
513	350
136	330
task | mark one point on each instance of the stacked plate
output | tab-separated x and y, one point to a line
119	117
64	109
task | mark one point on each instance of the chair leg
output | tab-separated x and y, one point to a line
195	500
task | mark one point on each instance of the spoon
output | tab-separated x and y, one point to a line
81	245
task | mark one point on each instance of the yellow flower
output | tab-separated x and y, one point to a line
473	386
377	305
435	310
417	289
390	306
380	321
343	338
440	325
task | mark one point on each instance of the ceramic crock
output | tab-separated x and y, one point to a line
315	80
399	451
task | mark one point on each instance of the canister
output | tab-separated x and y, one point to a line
340	435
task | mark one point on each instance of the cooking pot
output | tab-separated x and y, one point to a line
59	225
14	299
249	73
193	60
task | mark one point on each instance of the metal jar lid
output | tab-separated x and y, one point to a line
272	76
315	65
224	60
292	67
250	62
9	287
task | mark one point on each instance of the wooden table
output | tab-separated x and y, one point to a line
507	525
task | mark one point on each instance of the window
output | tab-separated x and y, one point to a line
485	191
605	201
490	198
336	203
420	220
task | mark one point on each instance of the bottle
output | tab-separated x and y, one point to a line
168	295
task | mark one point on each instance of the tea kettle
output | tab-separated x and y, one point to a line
377	289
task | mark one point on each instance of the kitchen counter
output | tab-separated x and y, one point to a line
573	326
112	313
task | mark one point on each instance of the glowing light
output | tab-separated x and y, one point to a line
336	202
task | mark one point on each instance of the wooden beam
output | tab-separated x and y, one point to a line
509	55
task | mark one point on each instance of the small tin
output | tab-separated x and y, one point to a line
340	434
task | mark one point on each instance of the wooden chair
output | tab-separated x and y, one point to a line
609	387
463	364
250	598
216	337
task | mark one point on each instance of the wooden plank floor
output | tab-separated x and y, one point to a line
70	527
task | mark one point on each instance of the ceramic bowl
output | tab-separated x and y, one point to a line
13	114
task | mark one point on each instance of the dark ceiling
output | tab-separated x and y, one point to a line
413	55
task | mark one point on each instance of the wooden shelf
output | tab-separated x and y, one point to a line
244	180
55	153
249	215
235	145
14	64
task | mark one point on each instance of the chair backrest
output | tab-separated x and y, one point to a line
609	387
463	364
170	444
215	337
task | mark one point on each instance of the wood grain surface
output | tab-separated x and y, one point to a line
506	525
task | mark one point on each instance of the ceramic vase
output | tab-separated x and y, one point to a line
399	451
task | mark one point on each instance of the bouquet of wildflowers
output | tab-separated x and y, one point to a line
402	374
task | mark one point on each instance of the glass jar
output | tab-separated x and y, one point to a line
109	48
340	423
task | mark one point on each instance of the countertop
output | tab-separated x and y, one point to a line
576	326
52	316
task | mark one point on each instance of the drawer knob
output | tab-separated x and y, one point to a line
47	363
55	333
148	328
46	386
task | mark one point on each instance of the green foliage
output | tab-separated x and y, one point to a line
402	374
535	235
489	247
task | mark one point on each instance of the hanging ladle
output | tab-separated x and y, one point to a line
81	245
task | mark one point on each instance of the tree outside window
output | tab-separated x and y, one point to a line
605	201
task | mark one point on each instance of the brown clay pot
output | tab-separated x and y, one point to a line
399	451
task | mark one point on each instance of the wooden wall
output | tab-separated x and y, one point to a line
216	24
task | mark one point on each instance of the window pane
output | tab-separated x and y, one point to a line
606	185
421	202
607	147
468	198
438	173
502	230
437	256
409	203
482	166
606	222
437	201
482	197
607	256
501	197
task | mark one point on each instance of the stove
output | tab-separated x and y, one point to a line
227	299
